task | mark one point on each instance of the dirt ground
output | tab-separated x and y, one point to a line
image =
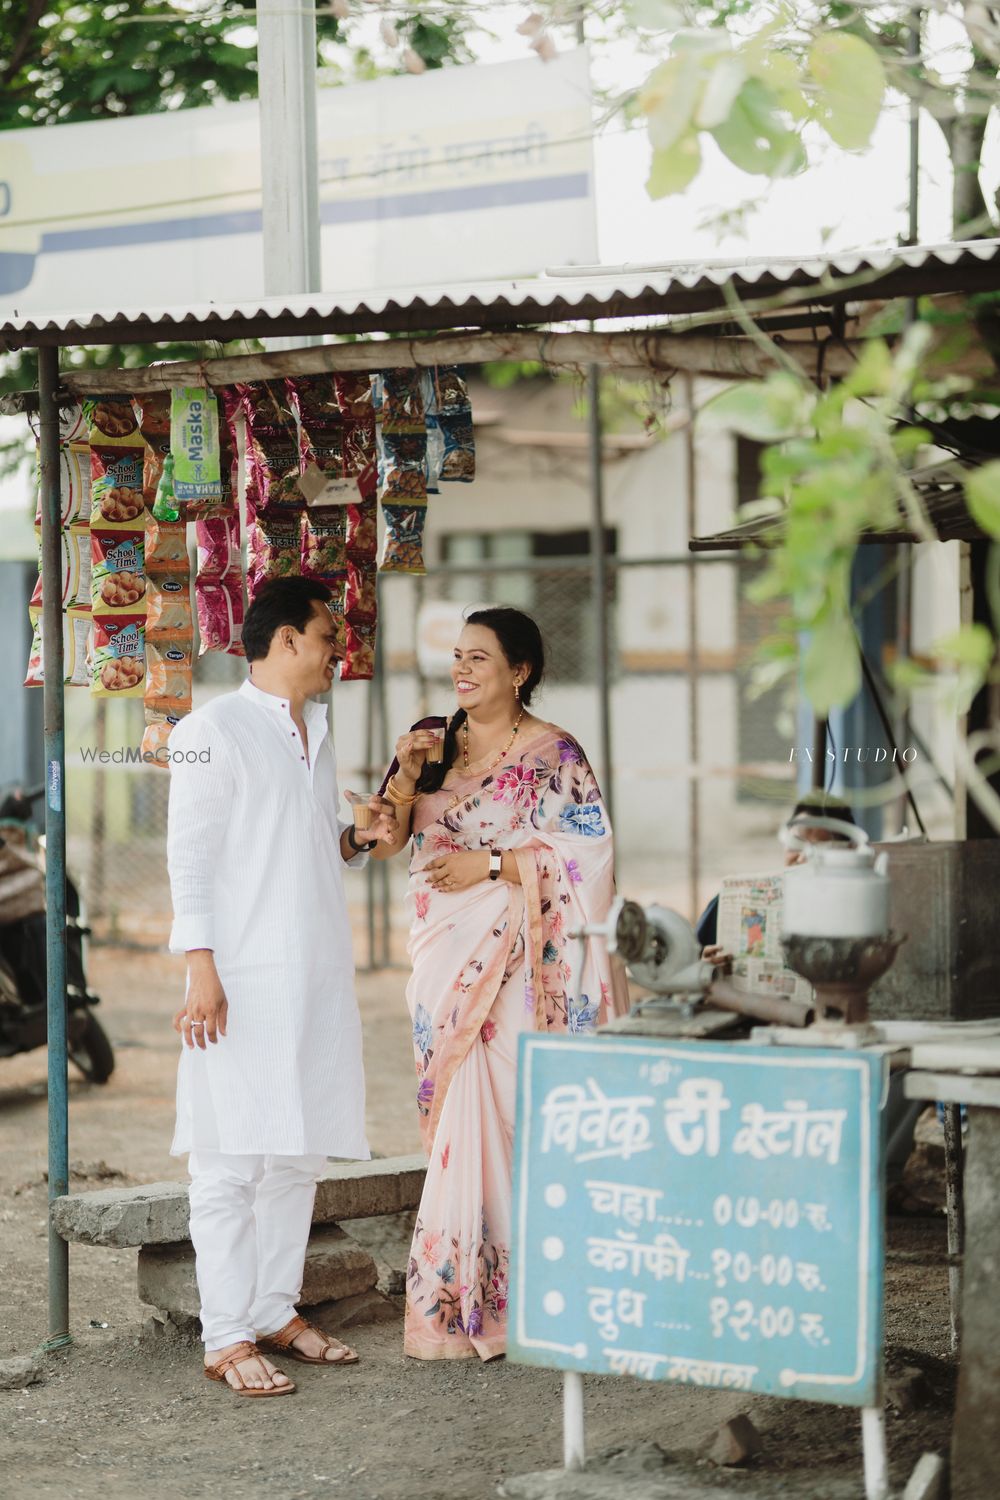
125	1413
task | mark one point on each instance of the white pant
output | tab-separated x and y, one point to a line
250	1221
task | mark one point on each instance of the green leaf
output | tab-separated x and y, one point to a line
668	100
724	83
755	138
671	171
766	411
850	83
655	15
982	495
831	667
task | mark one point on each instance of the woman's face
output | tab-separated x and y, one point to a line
484	679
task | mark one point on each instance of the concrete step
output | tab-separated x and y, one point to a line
157	1213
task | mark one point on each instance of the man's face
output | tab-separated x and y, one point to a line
313	655
812	836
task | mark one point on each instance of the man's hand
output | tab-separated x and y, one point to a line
207	1009
715	953
384	828
457	872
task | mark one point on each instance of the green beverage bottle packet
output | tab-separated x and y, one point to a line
165	506
194	443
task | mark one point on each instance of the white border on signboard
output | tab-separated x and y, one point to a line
787	1378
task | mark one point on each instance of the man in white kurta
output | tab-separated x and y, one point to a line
270	1081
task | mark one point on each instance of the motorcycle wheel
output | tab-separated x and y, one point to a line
92	1052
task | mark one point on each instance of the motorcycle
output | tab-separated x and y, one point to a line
23	1002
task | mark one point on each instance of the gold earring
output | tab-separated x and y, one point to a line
517	692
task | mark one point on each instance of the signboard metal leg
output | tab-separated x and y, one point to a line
573	1439
876	1454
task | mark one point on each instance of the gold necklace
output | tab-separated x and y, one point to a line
503	752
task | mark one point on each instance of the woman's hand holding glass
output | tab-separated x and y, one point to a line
457	872
412	750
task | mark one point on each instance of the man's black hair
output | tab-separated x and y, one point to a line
280	601
822	805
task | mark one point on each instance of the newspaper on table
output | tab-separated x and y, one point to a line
749	927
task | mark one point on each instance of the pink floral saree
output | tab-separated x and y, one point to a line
488	963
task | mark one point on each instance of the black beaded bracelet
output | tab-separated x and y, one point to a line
359	848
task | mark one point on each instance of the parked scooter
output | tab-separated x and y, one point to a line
23	1011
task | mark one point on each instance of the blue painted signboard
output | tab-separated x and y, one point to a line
703	1214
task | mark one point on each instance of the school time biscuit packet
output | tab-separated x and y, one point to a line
119	664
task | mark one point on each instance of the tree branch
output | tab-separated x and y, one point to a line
34	13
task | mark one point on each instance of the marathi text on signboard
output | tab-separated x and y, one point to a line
701	1214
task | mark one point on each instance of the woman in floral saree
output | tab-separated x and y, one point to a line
512	851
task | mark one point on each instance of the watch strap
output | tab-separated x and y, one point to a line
359	848
496	860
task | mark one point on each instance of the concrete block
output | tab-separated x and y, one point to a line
927	1482
352	1312
735	1443
23	1370
157	1213
335	1268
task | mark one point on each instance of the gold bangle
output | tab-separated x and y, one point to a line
396	796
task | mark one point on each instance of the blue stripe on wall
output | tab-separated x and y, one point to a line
348	211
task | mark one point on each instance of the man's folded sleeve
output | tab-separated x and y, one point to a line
201	800
357	861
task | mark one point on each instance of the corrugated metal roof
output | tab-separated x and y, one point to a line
565	294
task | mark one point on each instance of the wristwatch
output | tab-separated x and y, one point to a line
496	859
359	848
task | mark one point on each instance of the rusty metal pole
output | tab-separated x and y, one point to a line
694	785
55	834
953	1157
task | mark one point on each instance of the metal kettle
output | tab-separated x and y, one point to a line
838	892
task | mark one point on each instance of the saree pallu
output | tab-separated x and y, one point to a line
489	963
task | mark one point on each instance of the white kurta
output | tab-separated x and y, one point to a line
253	850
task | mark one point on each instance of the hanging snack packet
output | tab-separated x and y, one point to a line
274	545
160	722
118	572
402	549
76	648
168	605
403	471
119	663
194	445
75	588
272	456
218	546
360	606
359	661
452	408
220	614
153	415
355	401
166	547
168	672
362	532
74	486
117	454
324	549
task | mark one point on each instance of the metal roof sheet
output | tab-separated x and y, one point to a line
564	294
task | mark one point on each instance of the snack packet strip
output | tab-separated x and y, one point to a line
76	648
119	658
194	444
118	576
117	457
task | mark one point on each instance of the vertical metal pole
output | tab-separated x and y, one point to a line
694	785
98	819
573	1435
875	1452
599	584
55	834
953	1158
289	158
369	771
819	755
383	761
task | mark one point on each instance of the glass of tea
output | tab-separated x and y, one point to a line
435	752
363	812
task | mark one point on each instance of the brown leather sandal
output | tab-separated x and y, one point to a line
240	1353
283	1341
